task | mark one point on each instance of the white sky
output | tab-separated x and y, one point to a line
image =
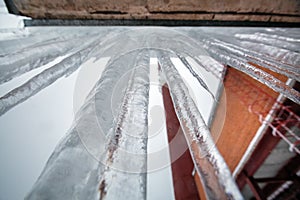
29	133
159	179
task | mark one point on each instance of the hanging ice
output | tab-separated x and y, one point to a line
266	39
256	73
13	65
257	58
76	169
44	79
214	173
125	158
107	141
189	67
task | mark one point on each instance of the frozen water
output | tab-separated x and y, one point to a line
95	159
218	183
258	74
42	80
127	139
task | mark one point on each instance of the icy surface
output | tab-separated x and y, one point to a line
260	59
281	55
88	137
200	80
242	65
17	63
35	51
44	79
218	183
92	161
270	40
125	160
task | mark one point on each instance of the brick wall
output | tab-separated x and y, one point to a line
230	10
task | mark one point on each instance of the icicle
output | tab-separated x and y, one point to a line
15	47
255	73
269	41
45	36
189	67
42	80
124	176
281	55
14	65
73	170
279	37
214	173
292	33
211	65
256	58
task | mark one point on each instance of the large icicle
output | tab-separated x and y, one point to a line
278	37
36	37
211	65
72	171
189	67
281	55
255	73
14	65
14	47
257	58
17	64
210	165
44	79
265	39
124	176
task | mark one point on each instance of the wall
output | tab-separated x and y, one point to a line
243	98
230	10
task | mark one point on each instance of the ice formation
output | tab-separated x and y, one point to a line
104	153
215	175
